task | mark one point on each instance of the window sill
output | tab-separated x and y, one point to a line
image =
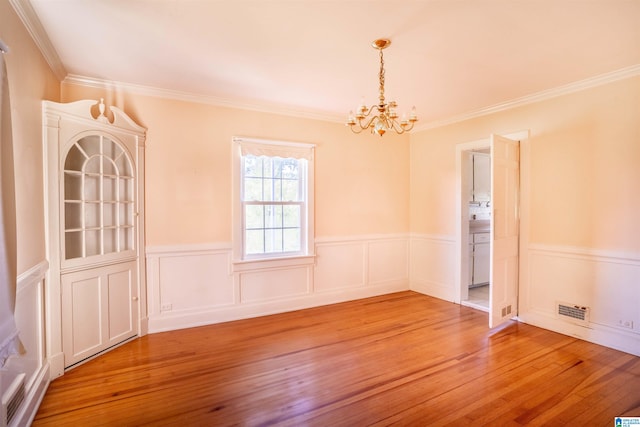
264	263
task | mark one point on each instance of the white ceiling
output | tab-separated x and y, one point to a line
448	57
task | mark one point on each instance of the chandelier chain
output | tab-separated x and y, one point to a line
381	88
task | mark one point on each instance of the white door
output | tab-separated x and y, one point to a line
505	183
100	309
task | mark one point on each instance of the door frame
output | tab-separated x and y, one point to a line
461	275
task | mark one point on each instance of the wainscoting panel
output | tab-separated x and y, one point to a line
195	280
266	285
433	266
29	315
199	284
606	283
340	265
388	261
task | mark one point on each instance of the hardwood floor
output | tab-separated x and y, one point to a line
403	358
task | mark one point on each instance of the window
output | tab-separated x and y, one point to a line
274	216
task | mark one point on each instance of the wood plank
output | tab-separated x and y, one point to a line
402	358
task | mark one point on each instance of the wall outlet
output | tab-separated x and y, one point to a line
626	323
166	307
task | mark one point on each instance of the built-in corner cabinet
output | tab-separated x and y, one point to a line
94	174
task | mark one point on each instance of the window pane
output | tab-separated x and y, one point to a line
72	216
93	164
267	166
92	215
272	216
125	214
273	240
110	215
252	166
126	189
75	159
108	168
91	187
277	190
267	190
253	189
291	240
110	236
110	149
277	167
73	245
90	144
290	169
290	191
93	242
109	188
291	216
254	242
72	186
254	216
123	165
126	238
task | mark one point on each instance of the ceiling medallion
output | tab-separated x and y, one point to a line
386	117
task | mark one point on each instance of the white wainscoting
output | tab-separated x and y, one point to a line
194	285
606	282
433	266
29	315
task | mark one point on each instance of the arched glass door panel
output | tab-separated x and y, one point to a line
98	199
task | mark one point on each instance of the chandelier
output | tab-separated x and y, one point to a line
386	118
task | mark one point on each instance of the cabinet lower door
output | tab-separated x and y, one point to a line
99	309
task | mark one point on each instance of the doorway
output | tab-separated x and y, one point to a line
487	231
478	168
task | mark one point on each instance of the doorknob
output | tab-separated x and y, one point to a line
135	298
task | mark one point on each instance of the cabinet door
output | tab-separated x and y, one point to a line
481	263
99	309
481	177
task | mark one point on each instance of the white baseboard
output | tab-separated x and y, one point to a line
627	342
56	365
188	319
29	407
604	281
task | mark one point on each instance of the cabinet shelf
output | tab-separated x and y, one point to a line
78	173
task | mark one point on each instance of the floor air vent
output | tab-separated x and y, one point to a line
573	313
11	400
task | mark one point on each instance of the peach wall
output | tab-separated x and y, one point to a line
30	81
584	162
361	182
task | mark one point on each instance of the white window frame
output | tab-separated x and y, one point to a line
272	148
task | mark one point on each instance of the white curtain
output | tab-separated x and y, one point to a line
285	150
9	340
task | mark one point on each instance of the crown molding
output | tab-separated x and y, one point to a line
30	20
198	98
598	80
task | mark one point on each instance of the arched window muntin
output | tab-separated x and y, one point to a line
98	189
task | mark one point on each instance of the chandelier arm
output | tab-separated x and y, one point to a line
355	129
409	126
367	123
397	127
